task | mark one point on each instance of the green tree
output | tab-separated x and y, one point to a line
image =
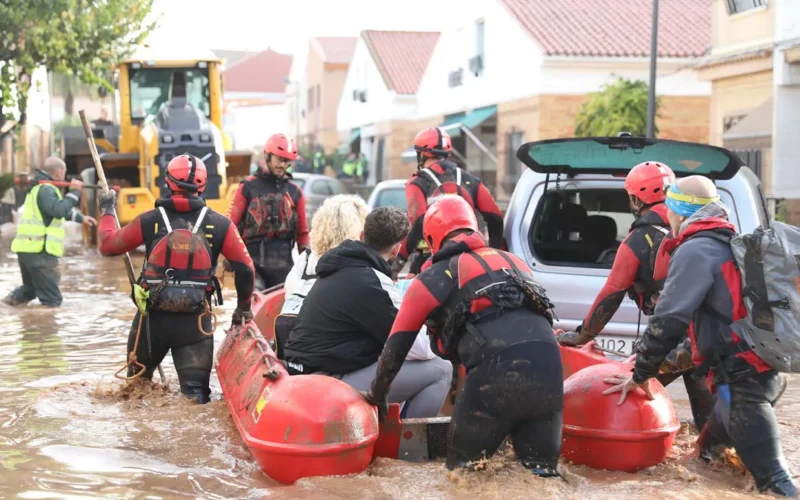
619	107
81	38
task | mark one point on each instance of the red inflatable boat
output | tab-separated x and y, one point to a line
597	432
299	426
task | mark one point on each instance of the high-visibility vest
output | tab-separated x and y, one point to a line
349	167
32	235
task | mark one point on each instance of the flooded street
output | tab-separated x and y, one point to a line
66	431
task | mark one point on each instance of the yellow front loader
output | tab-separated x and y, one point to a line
165	107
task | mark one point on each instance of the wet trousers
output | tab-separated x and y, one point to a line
40	279
192	352
700	398
423	385
518	391
744	418
272	261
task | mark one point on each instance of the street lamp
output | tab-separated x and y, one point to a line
651	89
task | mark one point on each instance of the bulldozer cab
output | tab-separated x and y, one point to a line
165	108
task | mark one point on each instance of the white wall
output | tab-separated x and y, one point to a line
512	62
250	126
581	76
786	125
362	75
296	92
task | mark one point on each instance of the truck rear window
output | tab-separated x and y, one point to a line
580	227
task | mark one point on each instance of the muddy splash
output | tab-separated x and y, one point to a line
68	429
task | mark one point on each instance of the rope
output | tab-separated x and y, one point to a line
132	359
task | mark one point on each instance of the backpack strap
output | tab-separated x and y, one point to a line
305	275
165	219
432	176
199	220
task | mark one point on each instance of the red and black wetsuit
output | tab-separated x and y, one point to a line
477	314
192	351
445	177
633	273
270	213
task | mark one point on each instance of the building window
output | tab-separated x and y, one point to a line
311	99
319	92
751	158
737	6
514	140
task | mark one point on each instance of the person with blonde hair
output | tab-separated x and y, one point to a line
340	218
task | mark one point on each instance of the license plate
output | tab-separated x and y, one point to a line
614	343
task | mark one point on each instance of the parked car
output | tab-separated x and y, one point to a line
391	193
316	188
571	249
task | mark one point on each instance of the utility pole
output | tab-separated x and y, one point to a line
651	88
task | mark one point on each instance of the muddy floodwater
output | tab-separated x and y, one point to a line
66	431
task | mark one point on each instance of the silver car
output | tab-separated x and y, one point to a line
316	188
571	255
391	193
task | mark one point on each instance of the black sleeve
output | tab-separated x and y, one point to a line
51	205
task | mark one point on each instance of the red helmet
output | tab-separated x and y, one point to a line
433	143
447	214
647	181
281	146
187	173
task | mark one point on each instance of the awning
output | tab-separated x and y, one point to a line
757	123
354	135
471	120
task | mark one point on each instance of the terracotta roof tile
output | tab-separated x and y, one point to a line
262	72
401	56
617	28
336	50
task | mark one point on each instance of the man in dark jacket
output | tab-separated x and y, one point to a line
39	242
269	211
348	313
703	293
633	273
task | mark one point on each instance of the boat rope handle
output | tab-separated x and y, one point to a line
264	347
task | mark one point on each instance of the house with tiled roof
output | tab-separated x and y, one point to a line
315	89
380	95
507	72
254	96
754	71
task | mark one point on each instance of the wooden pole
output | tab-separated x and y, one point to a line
101	175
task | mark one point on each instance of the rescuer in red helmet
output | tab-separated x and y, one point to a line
633	273
437	175
483	310
183	240
270	212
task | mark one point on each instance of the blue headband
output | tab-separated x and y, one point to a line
685	205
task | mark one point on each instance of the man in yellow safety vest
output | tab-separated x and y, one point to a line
40	235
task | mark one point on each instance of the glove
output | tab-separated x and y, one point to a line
241	316
573	339
381	403
108	202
